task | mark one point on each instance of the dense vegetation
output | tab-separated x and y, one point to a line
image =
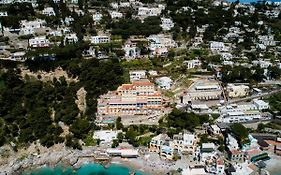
275	103
178	121
240	132
32	109
242	74
128	27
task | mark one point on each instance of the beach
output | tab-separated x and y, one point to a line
37	156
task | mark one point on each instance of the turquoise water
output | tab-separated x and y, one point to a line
87	169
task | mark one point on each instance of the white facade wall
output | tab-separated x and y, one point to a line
217	46
115	14
164	82
100	39
39	42
145	11
49	11
261	104
28	27
192	64
3	13
167	23
137	75
237	91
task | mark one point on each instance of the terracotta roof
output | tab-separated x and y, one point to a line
272	142
235	151
253	152
127	86
142	83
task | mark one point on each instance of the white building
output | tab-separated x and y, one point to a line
237	90
184	143
124	153
215	130
70	38
267	40
167	23
241	116
115	14
114	5
28	27
38	42
153	73
261	47
198	40
17	56
261	104
136	75
194	171
231	142
262	63
97	17
49	11
106	137
164	83
225	56
192	63
208	147
74	1
161	41
68	20
200	108
146	11
33	2
3	13
124	4
100	39
217	46
131	50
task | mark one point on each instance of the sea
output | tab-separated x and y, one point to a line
87	169
251	1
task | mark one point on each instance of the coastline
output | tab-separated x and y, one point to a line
35	157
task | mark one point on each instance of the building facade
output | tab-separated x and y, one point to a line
138	98
100	39
38	42
237	91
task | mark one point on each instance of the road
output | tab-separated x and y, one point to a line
254	96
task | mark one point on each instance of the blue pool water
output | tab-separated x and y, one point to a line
87	169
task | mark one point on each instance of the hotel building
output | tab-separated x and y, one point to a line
138	98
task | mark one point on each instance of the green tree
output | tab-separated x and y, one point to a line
240	132
119	124
80	128
120	137
115	143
